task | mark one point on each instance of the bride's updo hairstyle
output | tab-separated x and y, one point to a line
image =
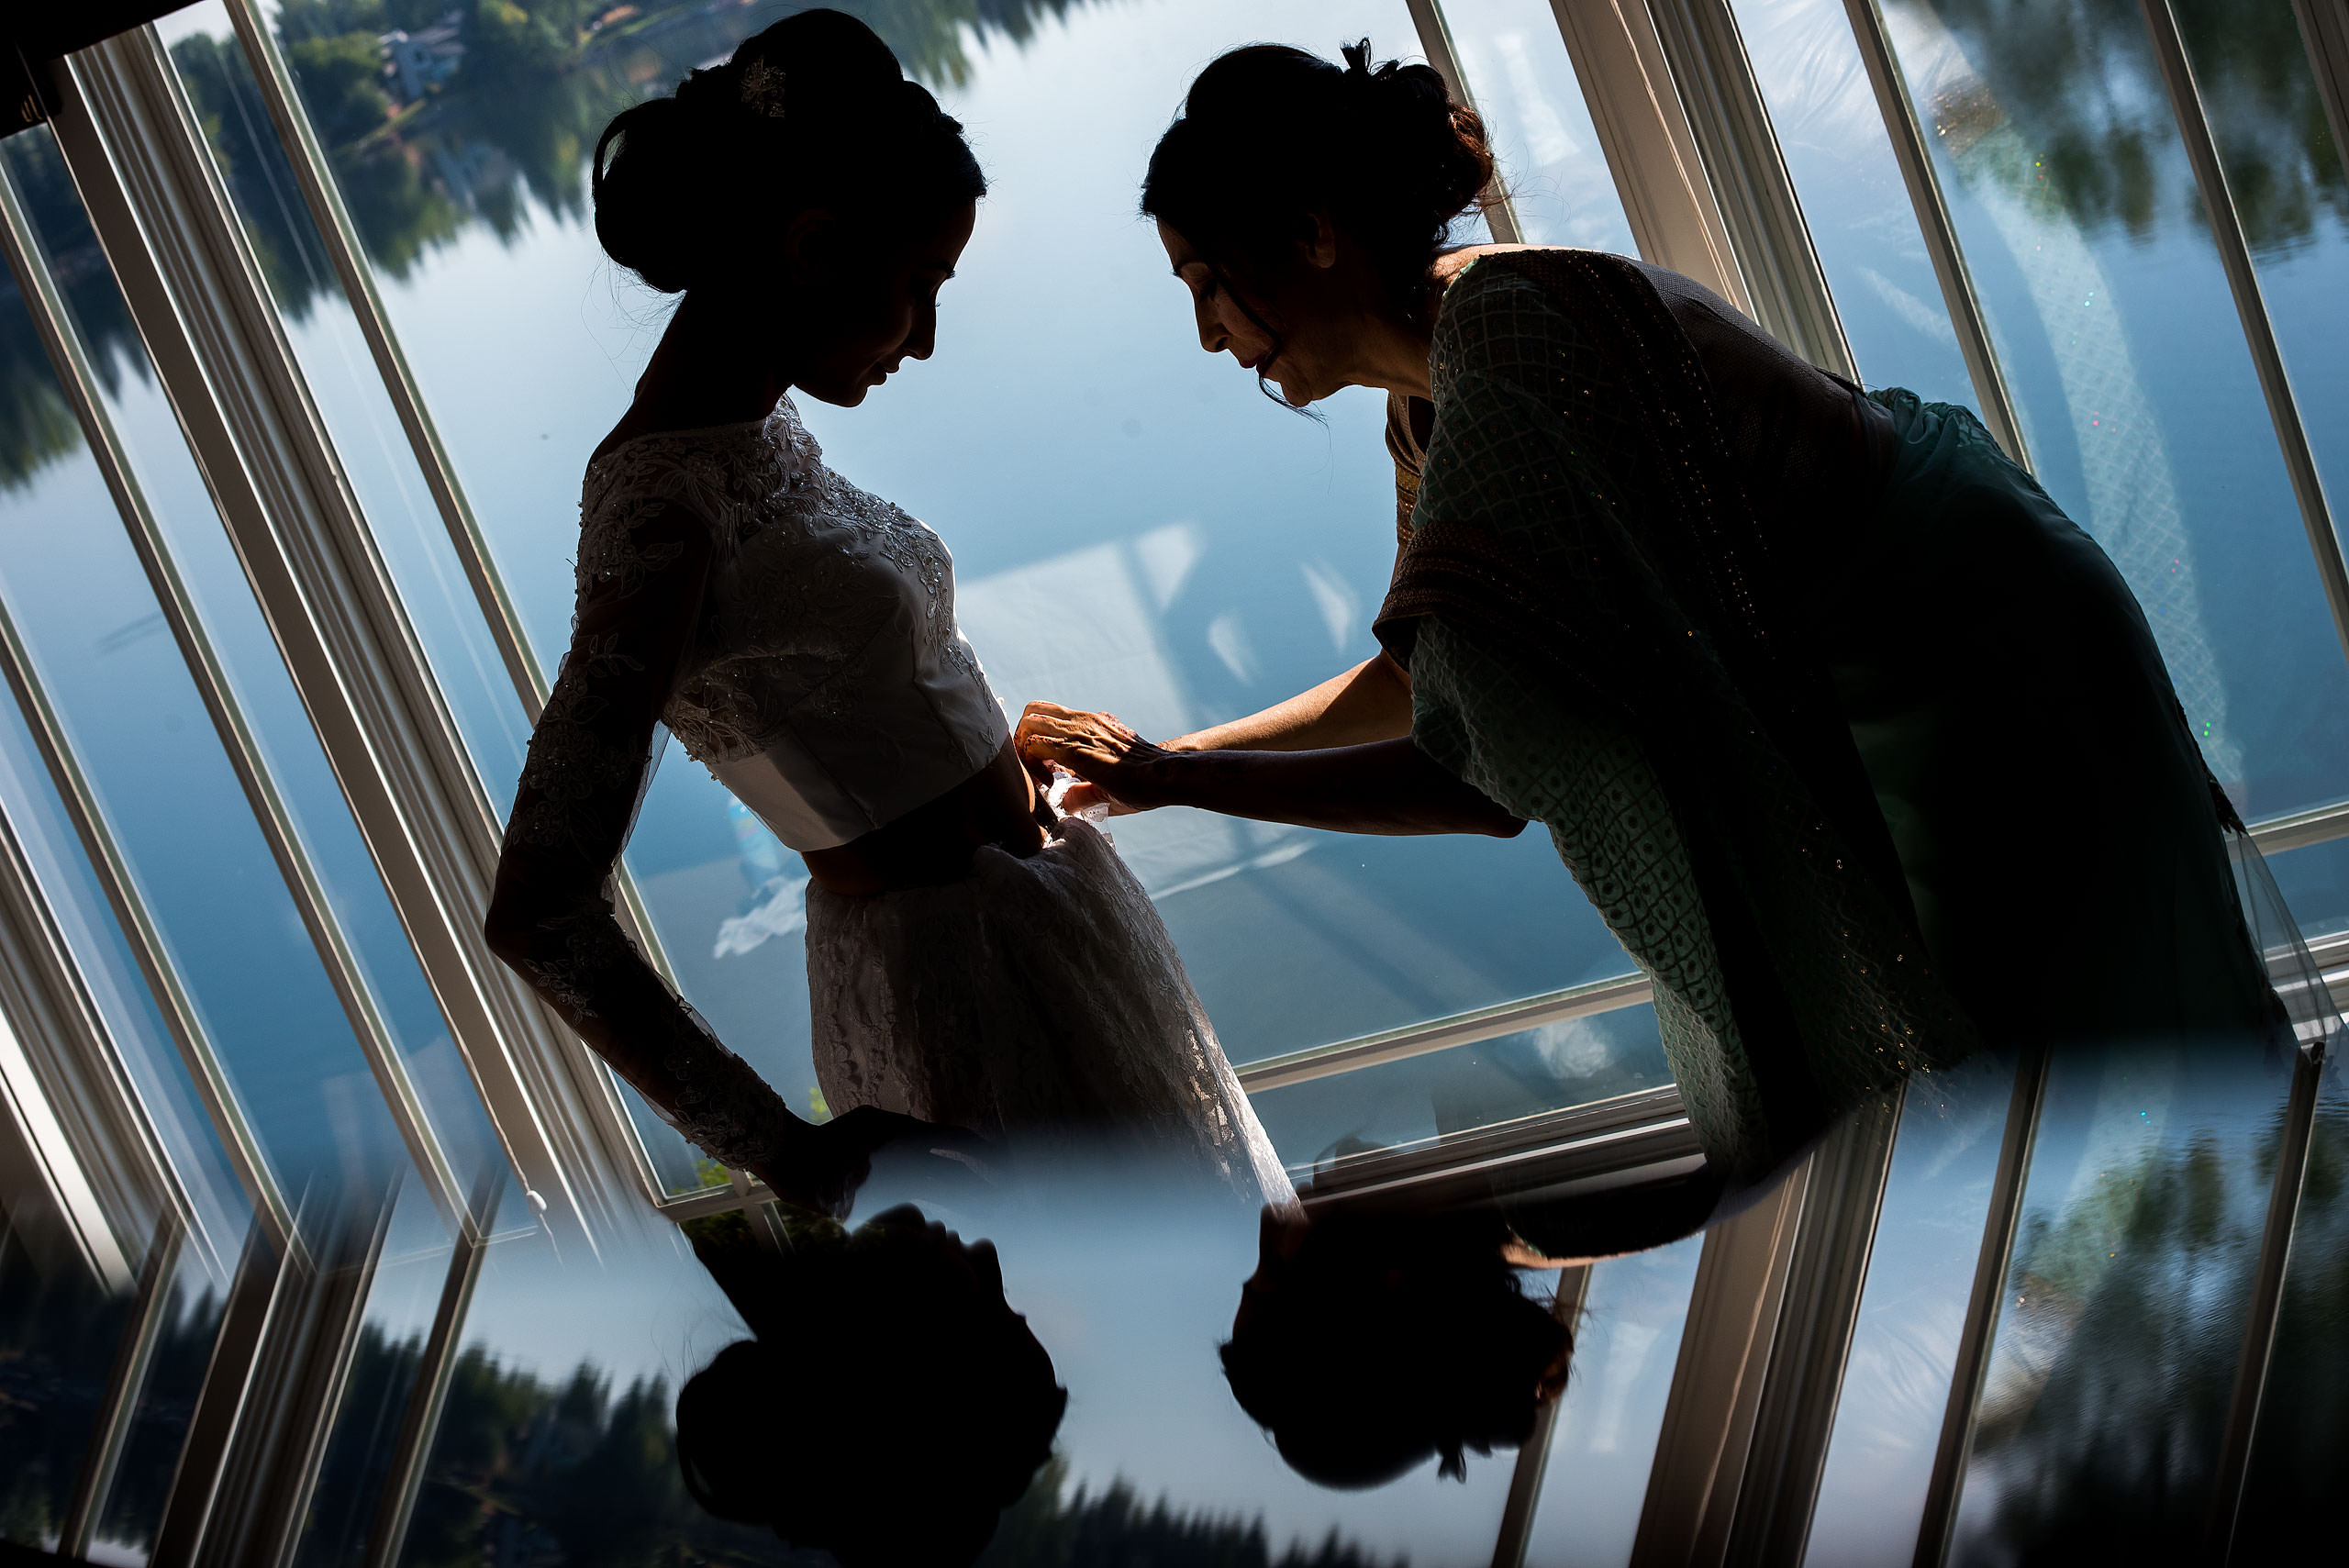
813	112
891	1406
1269	135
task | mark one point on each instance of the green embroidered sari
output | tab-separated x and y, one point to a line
1766	770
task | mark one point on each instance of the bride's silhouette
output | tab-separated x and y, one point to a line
971	959
891	1403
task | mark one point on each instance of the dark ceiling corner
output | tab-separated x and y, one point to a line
31	35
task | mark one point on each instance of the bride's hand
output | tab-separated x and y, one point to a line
833	1160
1119	768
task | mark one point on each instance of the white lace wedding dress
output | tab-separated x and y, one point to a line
825	684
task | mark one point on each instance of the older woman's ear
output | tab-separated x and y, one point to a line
1322	248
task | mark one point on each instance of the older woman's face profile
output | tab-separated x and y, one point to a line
1225	327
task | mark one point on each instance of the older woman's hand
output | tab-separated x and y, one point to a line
1119	768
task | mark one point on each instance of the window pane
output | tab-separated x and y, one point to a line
2124	1303
1425	1097
342	377
131	714
150	1060
165	1406
2315	881
57	1330
1518	71
401	1301
1069	440
2300	1457
1862	223
1904	1345
2291	195
1626	1347
2087	239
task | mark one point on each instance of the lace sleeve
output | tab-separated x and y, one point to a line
640	581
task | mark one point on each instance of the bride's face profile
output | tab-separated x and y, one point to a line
863	309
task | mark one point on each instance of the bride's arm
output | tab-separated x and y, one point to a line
1370	702
1383	787
551	917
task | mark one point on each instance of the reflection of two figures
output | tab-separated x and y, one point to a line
892	1402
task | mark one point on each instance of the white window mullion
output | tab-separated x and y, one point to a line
195	293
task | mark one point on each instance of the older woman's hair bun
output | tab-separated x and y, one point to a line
1269	135
813	112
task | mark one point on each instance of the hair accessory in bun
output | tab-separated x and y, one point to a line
1273	139
763	89
816	106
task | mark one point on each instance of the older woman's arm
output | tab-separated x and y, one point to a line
1370	702
1384	786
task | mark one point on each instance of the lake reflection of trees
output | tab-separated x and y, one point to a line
514	128
2116	1358
571	1472
37	427
2078	79
509	133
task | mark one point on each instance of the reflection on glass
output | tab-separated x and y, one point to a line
381	1375
933	1405
1912	1309
2315	883
560	1415
1421	1098
150	1060
1860	221
2300	1445
1516	64
2086	238
100	642
2291	195
324	334
159	1423
2124	1303
1625	1349
1134	528
58	1328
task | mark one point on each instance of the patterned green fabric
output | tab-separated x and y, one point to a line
1540	448
1590	782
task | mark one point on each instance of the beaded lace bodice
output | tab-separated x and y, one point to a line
826	681
797	636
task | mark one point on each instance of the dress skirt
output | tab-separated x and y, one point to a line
1036	995
2059	835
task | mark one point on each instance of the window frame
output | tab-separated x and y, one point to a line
1688	141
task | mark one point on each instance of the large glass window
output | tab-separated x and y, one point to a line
1135	529
1862	225
1134	526
101	645
2061	158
